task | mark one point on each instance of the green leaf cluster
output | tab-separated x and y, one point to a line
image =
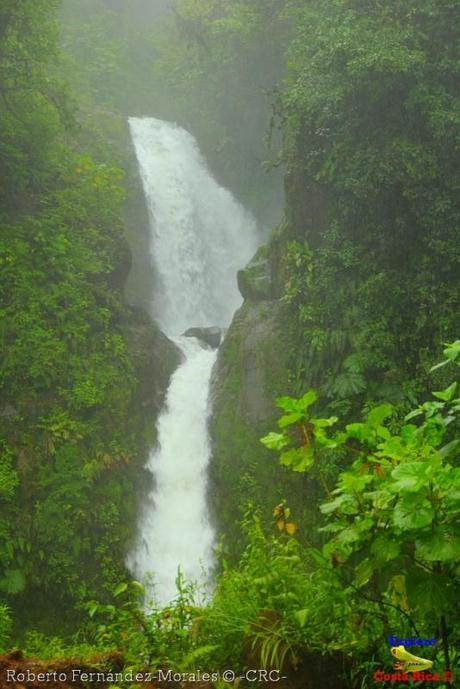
298	422
391	521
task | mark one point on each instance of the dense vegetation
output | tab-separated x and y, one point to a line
368	113
360	102
372	130
66	380
385	565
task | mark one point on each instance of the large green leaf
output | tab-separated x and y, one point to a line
275	441
413	516
299	459
409	477
385	549
363	572
429	592
290	419
379	414
307	400
120	588
441	546
447	394
333	505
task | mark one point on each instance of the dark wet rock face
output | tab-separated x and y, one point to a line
251	371
255	281
122	261
154	357
210	336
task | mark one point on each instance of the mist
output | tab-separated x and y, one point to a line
229	361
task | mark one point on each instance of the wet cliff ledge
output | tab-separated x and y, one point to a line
250	373
154	357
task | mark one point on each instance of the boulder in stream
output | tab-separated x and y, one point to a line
211	336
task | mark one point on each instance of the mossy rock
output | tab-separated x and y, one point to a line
250	373
154	357
255	281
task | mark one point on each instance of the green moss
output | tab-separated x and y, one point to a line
251	372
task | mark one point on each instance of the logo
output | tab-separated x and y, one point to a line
409	641
407	662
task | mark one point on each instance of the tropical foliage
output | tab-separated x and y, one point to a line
393	536
388	564
370	116
359	101
65	376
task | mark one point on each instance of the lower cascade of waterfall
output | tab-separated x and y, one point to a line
200	237
176	524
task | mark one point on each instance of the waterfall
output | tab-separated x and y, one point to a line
200	237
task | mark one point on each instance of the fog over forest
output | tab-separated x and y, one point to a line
229	361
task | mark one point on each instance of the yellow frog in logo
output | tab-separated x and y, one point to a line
408	662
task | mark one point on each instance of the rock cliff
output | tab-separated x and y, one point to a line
250	373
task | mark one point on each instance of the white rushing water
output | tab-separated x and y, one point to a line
201	236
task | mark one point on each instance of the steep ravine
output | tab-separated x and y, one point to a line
200	237
251	371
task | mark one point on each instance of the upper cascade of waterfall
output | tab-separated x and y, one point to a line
201	235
